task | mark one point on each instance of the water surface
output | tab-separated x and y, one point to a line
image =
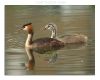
72	59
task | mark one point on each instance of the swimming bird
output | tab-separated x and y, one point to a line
70	38
41	45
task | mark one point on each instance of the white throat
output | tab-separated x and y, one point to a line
28	40
54	34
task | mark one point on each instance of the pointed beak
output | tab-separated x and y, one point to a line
21	28
44	28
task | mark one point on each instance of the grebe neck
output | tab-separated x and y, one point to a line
29	39
54	34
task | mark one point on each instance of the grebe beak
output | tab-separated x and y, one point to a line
21	28
44	28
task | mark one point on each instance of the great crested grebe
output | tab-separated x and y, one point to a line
72	38
40	45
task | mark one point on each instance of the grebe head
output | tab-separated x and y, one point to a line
28	27
51	26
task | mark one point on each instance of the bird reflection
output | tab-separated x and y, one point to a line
41	45
31	62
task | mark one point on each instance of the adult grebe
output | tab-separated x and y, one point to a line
72	38
41	45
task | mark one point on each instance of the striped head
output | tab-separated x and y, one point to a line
27	27
51	27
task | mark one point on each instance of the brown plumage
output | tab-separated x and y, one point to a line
41	45
71	38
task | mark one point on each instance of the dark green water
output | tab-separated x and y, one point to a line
73	59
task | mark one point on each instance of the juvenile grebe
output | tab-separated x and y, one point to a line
72	38
41	45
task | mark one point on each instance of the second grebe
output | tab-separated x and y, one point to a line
72	38
41	45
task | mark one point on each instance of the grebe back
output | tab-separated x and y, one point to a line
71	38
41	45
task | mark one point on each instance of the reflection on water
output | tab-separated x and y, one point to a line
72	59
